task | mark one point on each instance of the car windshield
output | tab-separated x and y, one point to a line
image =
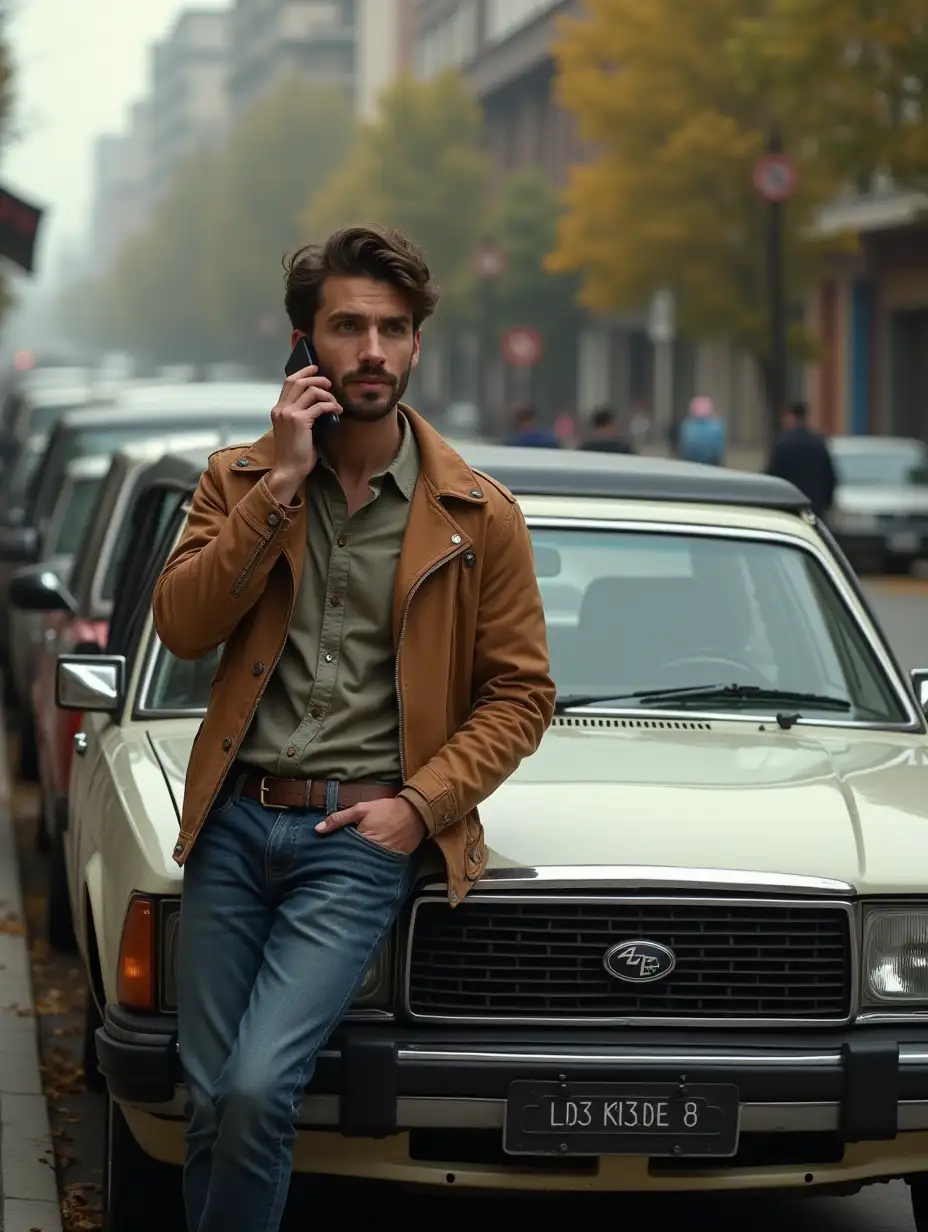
73	516
106	440
882	468
629	611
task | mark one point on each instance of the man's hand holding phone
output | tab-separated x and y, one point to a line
305	396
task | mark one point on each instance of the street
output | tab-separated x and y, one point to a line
77	1115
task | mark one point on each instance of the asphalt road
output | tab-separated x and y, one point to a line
901	606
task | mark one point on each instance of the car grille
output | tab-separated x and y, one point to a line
532	959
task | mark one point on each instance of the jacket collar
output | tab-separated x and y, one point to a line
442	468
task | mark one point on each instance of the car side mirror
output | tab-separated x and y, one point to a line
919	678
39	589
91	683
19	545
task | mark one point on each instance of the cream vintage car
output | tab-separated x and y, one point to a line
699	957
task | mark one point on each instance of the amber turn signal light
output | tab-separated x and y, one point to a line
135	984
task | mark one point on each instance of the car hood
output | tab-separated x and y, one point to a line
875	500
845	805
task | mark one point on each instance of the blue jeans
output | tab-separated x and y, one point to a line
278	926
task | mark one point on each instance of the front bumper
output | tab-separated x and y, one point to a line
862	1084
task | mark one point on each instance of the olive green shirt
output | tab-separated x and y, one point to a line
330	709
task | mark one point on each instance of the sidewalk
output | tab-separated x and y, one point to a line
28	1187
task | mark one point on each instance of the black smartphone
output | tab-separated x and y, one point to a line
302	356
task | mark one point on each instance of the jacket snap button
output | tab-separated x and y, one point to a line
470	559
273	519
455	538
241	462
178	849
258	669
226	745
476	492
452	897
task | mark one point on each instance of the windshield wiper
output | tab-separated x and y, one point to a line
708	692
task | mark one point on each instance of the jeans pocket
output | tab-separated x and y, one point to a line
225	798
402	856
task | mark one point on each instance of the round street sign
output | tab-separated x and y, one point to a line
490	262
775	177
522	346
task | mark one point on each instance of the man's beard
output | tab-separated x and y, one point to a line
374	410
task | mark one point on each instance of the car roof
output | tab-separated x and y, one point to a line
866	444
551	472
201	395
92	466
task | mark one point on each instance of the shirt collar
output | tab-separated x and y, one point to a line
404	469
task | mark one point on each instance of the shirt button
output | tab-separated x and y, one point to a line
258	669
341	541
329	658
273	519
291	752
314	713
335	601
226	745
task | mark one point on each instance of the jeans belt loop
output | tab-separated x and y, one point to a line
331	796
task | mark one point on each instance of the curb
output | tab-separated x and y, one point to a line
28	1184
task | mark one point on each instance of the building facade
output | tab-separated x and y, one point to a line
384	49
189	91
122	186
273	39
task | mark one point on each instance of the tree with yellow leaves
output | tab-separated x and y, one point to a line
853	76
669	201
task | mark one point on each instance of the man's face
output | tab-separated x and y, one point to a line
366	345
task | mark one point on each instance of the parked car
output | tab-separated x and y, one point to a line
142	411
82	626
696	959
880	514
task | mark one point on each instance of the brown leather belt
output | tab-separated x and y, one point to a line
310	793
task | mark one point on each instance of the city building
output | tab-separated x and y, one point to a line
384	49
122	186
504	48
189	90
870	317
273	39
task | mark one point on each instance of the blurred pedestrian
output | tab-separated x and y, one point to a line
529	433
326	762
702	436
803	458
605	434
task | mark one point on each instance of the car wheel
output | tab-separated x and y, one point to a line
919	1187
139	1193
59	923
93	1079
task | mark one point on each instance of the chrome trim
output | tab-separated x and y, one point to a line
673	1058
849	909
885	1018
655	876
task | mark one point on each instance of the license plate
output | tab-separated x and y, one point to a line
904	541
621	1118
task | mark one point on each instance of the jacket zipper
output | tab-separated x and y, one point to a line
242	580
399	646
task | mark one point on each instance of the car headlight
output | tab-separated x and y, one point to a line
376	991
895	958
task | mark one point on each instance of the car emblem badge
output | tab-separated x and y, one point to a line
639	962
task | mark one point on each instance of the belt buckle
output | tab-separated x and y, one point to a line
262	792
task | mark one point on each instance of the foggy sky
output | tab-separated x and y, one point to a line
79	66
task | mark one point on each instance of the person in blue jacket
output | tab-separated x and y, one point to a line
702	435
528	432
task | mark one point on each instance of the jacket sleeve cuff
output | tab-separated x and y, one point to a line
421	805
263	512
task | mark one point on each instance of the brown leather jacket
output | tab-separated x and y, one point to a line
471	650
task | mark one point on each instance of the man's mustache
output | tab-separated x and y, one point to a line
370	374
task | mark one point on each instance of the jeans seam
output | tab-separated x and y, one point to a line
269	876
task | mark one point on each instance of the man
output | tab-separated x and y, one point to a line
604	435
803	458
702	434
529	434
385	669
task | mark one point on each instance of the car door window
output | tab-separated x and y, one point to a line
157	514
